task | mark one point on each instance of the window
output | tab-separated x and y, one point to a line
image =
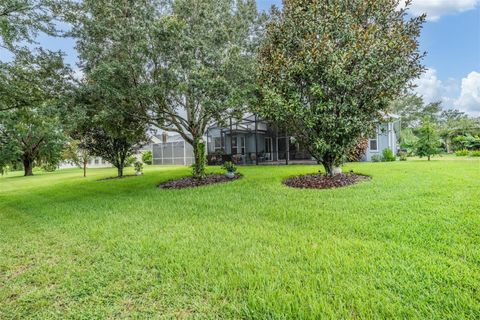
218	143
373	142
97	160
238	145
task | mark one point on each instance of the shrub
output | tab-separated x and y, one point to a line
475	153
138	166
130	161
377	158
147	157
388	155
229	166
462	153
49	167
358	151
402	155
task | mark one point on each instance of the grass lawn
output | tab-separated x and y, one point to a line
404	245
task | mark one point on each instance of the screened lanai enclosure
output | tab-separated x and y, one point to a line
173	150
251	140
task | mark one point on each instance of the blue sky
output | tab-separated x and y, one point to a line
451	37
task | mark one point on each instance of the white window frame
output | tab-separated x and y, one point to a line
370	144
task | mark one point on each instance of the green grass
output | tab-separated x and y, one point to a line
404	245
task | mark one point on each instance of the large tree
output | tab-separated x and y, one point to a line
202	59
329	69
31	131
110	101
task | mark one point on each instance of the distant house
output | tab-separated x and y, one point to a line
99	162
249	141
254	141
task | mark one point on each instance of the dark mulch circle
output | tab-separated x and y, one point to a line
321	181
190	182
118	178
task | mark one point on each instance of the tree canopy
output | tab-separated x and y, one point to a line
109	104
202	58
32	87
329	69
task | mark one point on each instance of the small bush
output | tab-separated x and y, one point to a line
138	166
130	161
49	167
147	157
229	166
475	153
462	153
377	158
388	155
402	155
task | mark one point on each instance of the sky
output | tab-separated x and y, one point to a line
451	38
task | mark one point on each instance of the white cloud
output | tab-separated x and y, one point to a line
464	95
435	9
469	99
433	89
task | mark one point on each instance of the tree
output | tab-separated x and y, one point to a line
77	155
31	132
110	102
412	110
428	143
202	58
329	69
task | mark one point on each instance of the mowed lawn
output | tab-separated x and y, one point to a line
404	245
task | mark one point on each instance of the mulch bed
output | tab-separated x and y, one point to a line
321	181
122	177
190	182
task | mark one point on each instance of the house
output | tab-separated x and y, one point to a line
99	162
254	141
385	137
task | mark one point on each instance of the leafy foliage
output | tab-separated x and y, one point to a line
467	142
202	62
428	143
358	151
138	167
77	155
462	153
22	20
147	157
110	102
31	94
388	156
329	70
229	166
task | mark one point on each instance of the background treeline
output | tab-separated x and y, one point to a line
451	130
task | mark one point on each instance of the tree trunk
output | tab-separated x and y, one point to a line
28	166
120	171
429	158
84	169
199	158
329	168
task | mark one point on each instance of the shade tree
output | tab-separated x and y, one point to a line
329	70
